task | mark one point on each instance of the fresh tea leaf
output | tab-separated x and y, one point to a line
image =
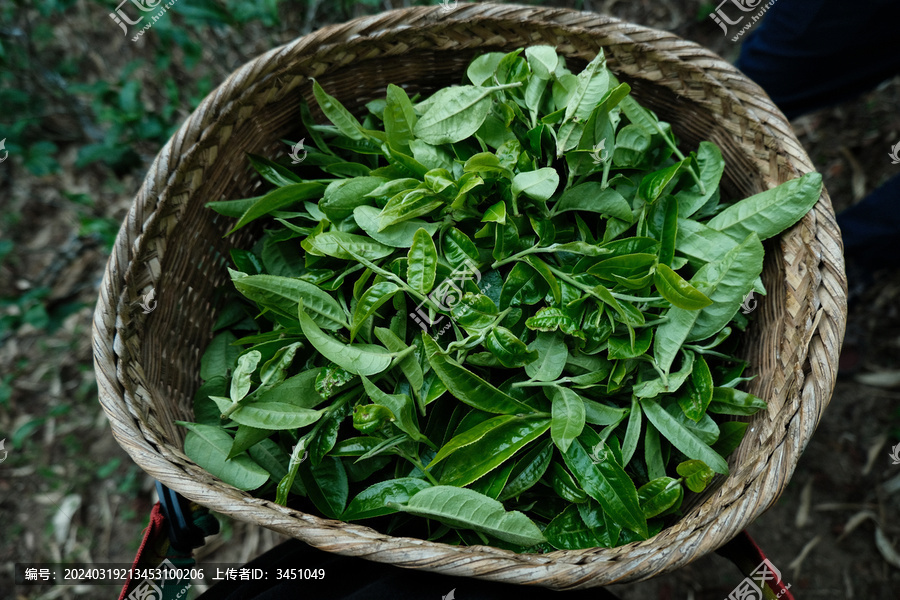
460	507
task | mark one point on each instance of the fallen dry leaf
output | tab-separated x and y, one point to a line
886	549
855	521
797	562
882	379
805	503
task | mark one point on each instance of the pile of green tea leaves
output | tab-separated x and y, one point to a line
502	314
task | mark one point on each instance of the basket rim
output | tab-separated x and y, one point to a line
560	569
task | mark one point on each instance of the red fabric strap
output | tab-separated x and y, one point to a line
746	554
153	547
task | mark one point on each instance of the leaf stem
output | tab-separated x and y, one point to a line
658	321
708	352
606	167
671	144
418	464
398	356
284	486
472	341
231	409
662	375
388	275
533	250
505	86
533	383
619	296
517	256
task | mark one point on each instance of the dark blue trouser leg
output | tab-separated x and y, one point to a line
871	228
809	54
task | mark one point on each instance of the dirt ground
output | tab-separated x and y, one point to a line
69	493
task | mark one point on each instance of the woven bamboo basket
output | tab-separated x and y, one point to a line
148	364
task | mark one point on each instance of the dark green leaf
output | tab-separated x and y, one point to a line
399	117
592	84
632	433
278	199
680	437
539	185
709	159
245	439
653	185
402	408
422	263
592	197
608	484
495	214
381	498
565	485
596	413
269	455
731	433
501	440
326	485
568	531
659	495
339	244
371	300
409	365
725	282
678	291
620	348
468	387
458	249
273	172
509	349
270	415
337	114
220	356
342	196
528	470
700	392
729	401
551	318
